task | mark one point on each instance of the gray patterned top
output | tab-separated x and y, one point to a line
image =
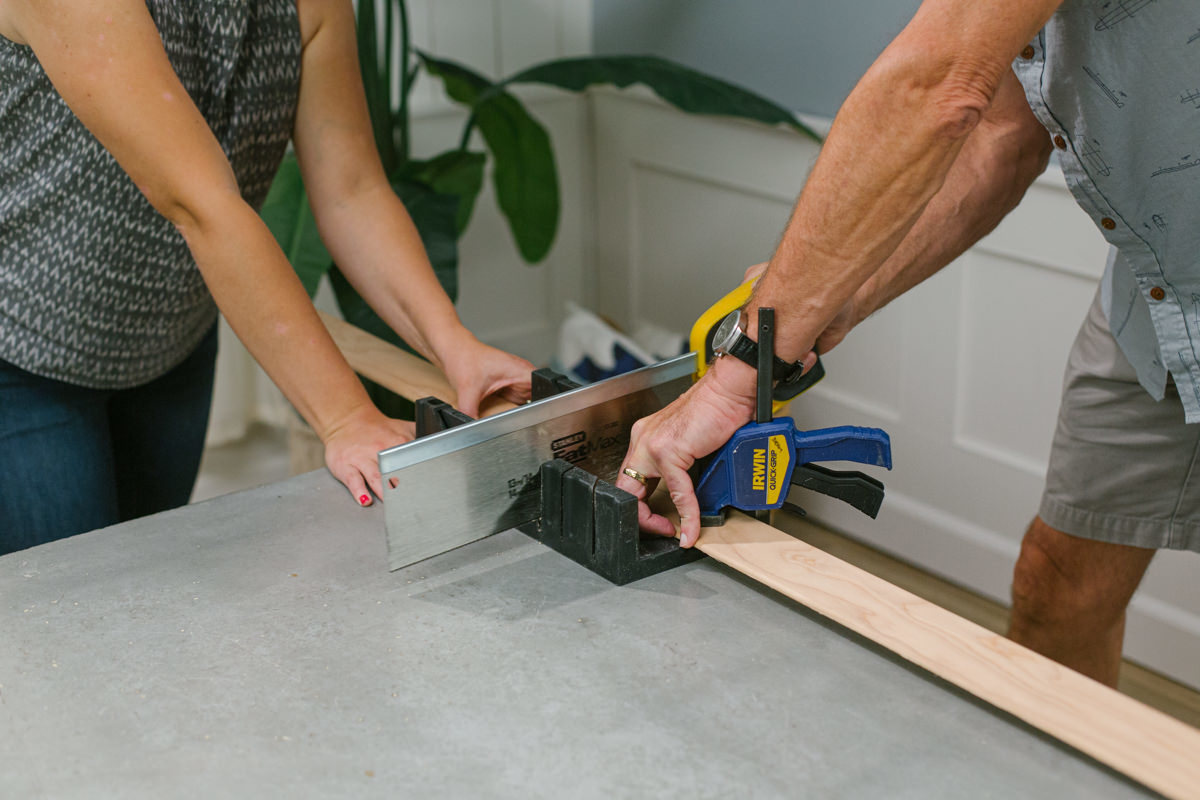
97	288
1117	84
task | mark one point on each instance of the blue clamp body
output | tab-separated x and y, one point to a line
762	460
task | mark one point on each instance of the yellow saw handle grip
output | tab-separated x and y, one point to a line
702	335
702	332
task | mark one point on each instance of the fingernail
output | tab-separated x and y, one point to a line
366	498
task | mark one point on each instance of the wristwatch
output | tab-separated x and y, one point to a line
728	340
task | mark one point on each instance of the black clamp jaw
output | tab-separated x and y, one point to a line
586	518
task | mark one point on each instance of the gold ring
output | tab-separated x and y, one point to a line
637	476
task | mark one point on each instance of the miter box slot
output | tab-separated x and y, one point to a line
546	382
595	524
434	416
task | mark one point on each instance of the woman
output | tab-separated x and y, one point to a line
137	139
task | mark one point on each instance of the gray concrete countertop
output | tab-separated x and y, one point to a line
255	645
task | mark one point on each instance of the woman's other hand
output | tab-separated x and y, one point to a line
352	450
478	371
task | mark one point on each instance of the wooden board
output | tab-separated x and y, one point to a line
390	367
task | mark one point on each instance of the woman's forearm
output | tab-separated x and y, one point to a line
267	307
376	245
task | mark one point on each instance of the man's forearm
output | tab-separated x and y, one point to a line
891	148
997	164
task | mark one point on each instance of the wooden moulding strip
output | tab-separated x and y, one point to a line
389	366
1141	742
1116	730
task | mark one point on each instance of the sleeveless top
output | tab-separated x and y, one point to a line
96	287
1118	87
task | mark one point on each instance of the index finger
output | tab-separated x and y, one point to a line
648	521
683	496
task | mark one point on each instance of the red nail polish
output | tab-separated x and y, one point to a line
364	499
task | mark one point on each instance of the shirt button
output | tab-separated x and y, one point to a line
1027	53
1157	293
1060	142
1107	223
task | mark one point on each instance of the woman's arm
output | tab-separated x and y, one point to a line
107	61
365	226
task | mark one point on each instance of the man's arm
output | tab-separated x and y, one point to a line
997	163
364	224
887	157
891	147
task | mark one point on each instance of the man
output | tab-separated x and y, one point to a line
935	145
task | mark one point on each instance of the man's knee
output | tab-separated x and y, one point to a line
1054	581
1040	590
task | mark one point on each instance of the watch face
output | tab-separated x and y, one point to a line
727	333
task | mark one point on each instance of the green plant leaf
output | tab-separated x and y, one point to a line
436	217
289	217
684	88
455	172
377	83
524	174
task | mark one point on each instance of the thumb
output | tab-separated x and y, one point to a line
468	399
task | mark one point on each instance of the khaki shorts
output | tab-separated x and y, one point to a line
1123	466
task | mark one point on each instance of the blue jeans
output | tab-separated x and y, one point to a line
74	459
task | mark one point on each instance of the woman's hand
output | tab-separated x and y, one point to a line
478	371
352	450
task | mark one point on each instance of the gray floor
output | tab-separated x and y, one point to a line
261	457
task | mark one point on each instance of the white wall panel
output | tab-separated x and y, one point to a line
1018	322
673	257
865	371
420	26
530	31
468	32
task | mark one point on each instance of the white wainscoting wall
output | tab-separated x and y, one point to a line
964	372
503	300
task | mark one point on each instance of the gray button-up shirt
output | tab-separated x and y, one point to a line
1117	84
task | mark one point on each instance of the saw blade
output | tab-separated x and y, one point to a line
463	484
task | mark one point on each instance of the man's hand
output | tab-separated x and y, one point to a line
666	444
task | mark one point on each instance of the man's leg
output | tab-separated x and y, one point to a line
1121	482
1069	598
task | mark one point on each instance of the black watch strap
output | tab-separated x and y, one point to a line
746	349
789	378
